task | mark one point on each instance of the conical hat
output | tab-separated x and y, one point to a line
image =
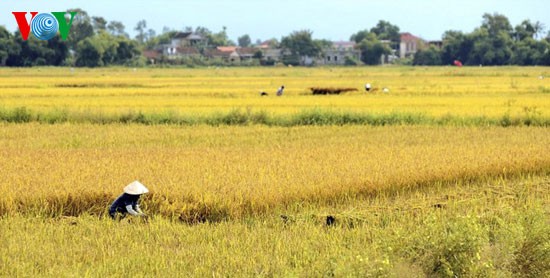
135	188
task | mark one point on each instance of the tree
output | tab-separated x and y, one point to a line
496	23
219	39
427	57
116	28
81	29
273	43
61	51
524	30
99	23
166	29
127	52
301	46
538	28
8	47
490	50
104	49
531	52
150	34
141	27
34	52
144	34
163	38
360	36
384	30
372	49
244	41
545	50
89	53
456	46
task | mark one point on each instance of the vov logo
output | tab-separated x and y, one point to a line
44	26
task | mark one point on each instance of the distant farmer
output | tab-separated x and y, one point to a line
128	202
367	87
280	91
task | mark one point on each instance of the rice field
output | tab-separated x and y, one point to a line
447	175
64	94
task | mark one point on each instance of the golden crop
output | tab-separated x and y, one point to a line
489	92
415	198
233	171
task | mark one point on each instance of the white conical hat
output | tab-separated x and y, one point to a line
135	188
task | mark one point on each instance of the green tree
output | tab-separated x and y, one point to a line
372	49
141	28
109	46
105	49
384	30
428	57
99	23
538	28
163	38
531	52
116	28
8	46
456	46
273	43
218	39
81	28
496	23
300	44
89	53
490	50
244	40
127	52
35	52
61	51
545	50
524	30
360	36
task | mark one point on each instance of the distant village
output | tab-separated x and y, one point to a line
95	42
193	46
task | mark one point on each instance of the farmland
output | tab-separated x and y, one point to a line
496	96
447	174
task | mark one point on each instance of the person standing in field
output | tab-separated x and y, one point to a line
280	91
367	87
128	202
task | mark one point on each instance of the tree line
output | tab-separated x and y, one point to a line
96	42
495	42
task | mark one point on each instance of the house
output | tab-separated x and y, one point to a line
152	56
409	45
226	53
174	52
271	56
183	44
186	39
392	56
247	53
336	55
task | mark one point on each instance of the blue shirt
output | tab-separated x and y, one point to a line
119	205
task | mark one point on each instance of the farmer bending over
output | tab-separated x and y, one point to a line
128	202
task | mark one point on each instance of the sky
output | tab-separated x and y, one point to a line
264	19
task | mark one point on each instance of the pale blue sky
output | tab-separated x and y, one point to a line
264	19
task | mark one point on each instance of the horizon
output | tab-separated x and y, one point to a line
249	17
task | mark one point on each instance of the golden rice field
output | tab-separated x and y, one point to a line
452	179
217	173
433	92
